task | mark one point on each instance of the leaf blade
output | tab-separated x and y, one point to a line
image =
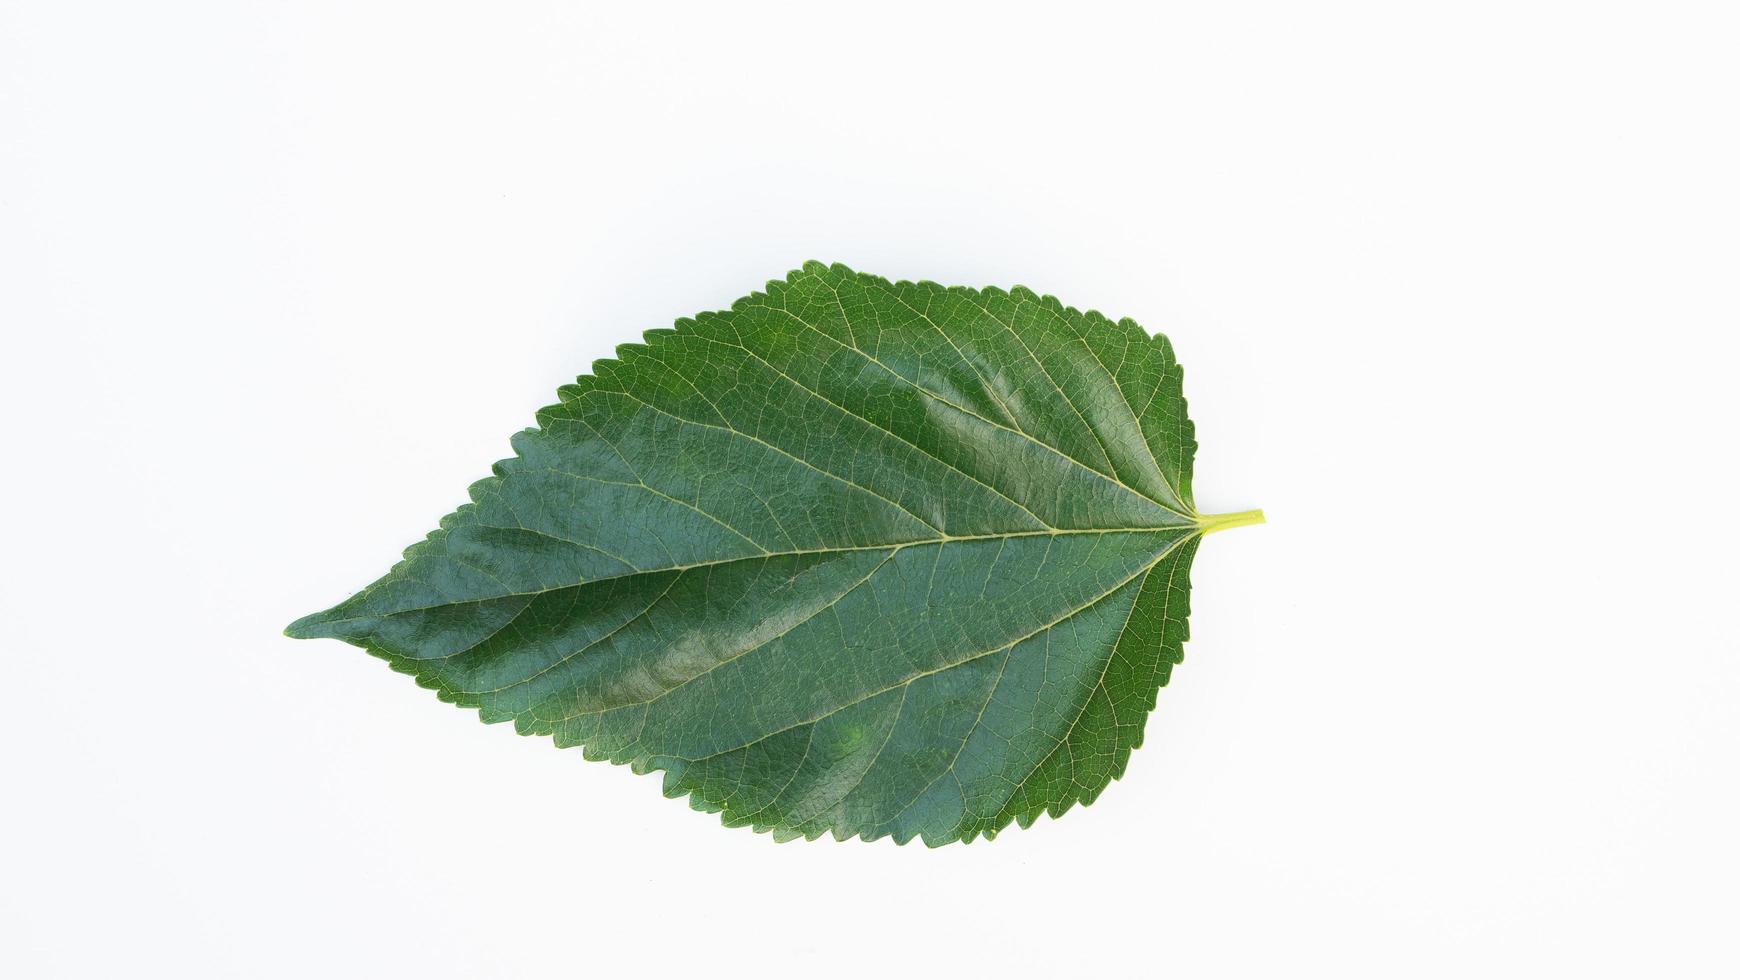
854	557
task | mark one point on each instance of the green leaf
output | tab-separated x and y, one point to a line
855	557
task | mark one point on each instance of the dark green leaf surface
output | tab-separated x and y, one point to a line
854	557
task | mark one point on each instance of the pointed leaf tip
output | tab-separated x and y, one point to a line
314	626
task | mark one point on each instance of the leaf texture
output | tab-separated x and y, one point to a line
854	557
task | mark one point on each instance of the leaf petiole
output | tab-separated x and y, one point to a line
1210	523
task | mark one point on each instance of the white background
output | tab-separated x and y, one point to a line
1455	286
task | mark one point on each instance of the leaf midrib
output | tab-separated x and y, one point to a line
1191	529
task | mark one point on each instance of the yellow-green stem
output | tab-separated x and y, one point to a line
1210	523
